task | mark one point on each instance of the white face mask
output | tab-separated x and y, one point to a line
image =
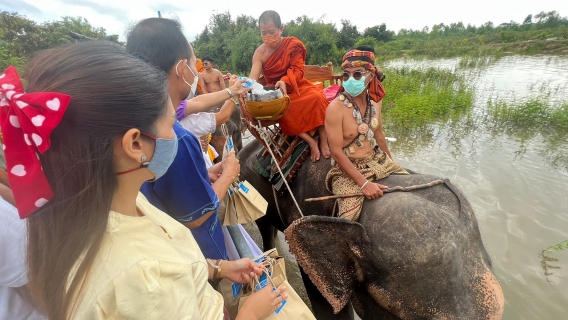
193	86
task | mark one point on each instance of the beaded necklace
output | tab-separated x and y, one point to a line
364	123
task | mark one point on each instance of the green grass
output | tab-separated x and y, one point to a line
532	112
489	45
476	61
546	260
418	96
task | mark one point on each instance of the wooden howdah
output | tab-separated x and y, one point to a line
283	146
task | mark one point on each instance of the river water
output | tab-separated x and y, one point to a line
515	178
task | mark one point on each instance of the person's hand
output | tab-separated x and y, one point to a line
214	176
261	304
232	80
373	190
215	172
236	86
241	271
204	145
7	194
231	166
281	85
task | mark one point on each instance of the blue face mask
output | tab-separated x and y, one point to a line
354	87
164	154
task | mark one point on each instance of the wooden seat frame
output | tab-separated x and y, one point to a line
281	145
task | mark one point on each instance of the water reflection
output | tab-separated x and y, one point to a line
515	178
507	78
551	145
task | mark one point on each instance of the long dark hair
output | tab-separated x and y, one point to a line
111	92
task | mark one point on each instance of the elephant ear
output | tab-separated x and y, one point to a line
330	251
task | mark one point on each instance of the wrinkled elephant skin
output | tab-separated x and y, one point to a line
411	252
411	256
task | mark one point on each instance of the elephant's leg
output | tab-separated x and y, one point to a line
268	233
492	296
320	306
367	308
237	132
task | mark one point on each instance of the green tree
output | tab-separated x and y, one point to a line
8	59
379	32
242	48
550	19
367	41
348	35
21	37
320	39
216	40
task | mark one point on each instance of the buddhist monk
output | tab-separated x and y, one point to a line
281	61
211	80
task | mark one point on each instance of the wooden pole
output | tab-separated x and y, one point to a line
389	190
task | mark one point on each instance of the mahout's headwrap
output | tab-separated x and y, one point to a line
366	59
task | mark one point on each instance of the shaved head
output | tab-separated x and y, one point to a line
270	16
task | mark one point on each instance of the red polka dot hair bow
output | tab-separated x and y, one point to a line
27	120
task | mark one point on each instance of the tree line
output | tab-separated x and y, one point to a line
21	37
231	41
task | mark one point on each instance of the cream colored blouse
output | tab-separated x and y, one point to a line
148	268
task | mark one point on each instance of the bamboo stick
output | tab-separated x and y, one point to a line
389	190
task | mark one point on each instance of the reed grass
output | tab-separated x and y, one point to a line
418	96
476	61
546	261
532	112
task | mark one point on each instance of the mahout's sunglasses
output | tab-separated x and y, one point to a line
357	75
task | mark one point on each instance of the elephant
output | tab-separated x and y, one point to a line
412	255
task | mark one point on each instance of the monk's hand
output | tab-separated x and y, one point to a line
281	85
373	190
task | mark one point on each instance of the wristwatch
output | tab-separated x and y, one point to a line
229	92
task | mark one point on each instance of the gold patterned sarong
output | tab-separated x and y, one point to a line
374	167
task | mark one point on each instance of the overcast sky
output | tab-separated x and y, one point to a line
116	15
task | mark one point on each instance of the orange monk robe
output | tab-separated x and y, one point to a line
308	103
199	67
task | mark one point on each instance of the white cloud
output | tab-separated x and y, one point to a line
116	15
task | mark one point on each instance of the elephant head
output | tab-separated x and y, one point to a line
435	280
337	268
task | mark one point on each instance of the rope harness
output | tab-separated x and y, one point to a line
265	135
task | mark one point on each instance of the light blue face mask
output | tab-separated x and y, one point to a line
354	87
164	154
